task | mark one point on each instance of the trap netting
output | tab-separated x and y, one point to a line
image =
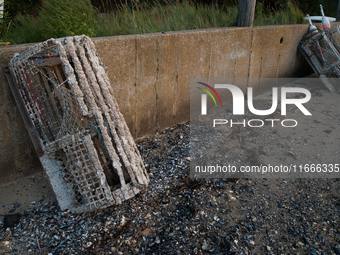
84	143
322	51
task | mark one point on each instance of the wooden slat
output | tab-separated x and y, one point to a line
62	77
41	84
103	161
52	95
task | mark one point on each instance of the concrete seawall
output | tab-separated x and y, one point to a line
150	75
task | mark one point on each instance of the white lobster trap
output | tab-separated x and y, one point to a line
322	51
81	138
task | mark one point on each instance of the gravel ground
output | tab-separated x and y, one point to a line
178	215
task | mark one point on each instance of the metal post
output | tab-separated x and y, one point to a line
246	13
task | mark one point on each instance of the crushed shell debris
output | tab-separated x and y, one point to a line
178	215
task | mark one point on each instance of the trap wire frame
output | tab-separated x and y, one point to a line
82	140
322	51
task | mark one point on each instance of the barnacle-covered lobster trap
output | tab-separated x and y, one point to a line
322	51
81	138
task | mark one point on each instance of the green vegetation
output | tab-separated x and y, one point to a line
160	18
56	18
59	18
290	14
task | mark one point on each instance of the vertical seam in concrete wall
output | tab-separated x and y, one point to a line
251	53
261	65
235	63
176	87
258	87
278	62
136	87
156	80
210	54
294	59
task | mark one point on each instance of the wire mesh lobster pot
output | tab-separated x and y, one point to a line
322	51
81	138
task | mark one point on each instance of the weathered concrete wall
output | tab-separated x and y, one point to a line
17	155
150	75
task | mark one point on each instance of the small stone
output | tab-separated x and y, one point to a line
252	242
269	248
146	232
205	246
122	221
157	240
232	198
